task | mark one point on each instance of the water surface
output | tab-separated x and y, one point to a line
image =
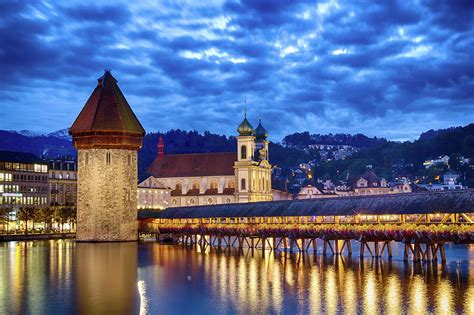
57	277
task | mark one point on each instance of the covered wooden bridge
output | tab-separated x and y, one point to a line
422	221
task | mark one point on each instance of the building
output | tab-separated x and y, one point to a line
107	136
62	182
369	184
442	160
23	181
450	182
213	178
316	191
152	194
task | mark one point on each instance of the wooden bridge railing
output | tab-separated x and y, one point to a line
423	235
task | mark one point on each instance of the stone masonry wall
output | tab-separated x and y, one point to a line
107	195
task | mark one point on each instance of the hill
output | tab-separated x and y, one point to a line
387	158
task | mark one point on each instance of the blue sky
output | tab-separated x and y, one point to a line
392	69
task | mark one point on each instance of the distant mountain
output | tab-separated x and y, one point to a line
40	145
61	134
305	139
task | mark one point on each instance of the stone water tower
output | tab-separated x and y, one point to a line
107	136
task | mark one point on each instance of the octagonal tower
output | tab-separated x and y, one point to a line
107	136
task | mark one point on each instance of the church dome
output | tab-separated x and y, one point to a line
245	128
260	132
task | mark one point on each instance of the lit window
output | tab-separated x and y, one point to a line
242	184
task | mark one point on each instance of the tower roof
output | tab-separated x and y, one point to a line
245	128
107	110
260	132
107	121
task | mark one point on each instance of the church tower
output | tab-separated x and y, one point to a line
252	168
107	136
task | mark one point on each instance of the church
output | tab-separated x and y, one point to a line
178	180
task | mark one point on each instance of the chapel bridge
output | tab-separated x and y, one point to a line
423	221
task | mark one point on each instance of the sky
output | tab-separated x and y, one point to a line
387	68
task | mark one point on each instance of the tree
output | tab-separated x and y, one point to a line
65	214
27	214
45	215
4	217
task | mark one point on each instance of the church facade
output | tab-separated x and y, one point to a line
178	180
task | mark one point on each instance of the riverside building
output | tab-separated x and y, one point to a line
211	178
23	181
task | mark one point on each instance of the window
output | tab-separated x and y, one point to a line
129	160
195	185
214	185
210	201
242	184
87	158
108	158
231	184
178	187
243	152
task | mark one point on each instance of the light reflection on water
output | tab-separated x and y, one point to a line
46	277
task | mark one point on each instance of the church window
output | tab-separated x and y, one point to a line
214	185
195	185
174	202
178	186
231	184
242	184
108	158
228	200
243	152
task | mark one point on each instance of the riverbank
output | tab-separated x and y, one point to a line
32	237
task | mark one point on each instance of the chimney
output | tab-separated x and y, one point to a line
161	148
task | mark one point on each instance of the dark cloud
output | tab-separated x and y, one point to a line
326	66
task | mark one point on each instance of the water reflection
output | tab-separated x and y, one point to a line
69	277
106	278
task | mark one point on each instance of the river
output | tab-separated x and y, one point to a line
65	277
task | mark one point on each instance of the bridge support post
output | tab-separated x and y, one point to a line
362	249
442	252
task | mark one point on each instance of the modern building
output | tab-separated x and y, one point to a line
213	178
23	181
62	182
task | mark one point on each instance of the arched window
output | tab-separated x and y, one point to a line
242	184
108	158
178	187
231	184
214	185
243	152
196	185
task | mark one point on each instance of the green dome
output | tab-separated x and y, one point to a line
245	128
260	132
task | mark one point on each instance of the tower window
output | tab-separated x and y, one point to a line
87	157
129	160
242	184
107	158
243	152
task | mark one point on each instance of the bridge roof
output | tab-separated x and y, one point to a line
460	201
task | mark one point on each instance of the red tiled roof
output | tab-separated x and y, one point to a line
195	164
107	110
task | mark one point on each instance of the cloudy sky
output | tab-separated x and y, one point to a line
393	70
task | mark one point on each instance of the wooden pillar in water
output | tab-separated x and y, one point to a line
349	247
442	252
362	249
